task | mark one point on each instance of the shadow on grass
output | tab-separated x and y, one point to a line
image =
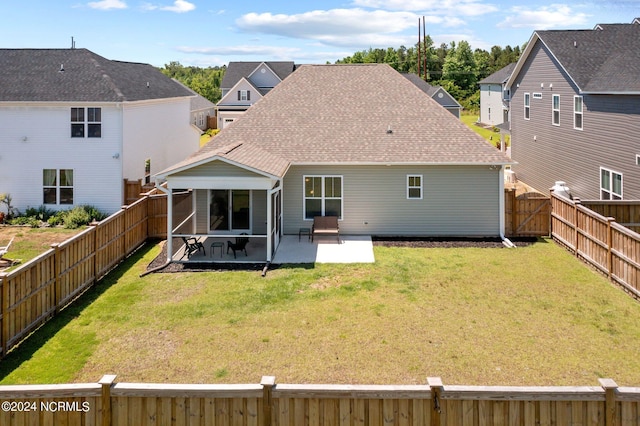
28	347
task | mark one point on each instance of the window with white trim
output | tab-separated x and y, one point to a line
610	184
527	106
555	107
414	187
244	95
577	112
86	122
322	196
57	186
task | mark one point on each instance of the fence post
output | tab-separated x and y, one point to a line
56	271
575	224
106	382
435	383
267	382
4	331
610	412
609	246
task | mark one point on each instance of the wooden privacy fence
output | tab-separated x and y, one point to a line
37	290
269	404
598	240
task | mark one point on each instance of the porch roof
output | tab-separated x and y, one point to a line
246	156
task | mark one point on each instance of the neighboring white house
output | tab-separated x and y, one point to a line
494	101
75	125
244	83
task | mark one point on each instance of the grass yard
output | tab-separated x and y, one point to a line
529	316
31	242
491	136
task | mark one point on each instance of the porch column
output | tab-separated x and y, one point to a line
269	223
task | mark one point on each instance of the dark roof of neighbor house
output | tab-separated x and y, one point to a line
237	70
500	76
431	90
422	85
605	59
79	75
347	114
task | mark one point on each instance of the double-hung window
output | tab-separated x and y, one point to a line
527	106
414	187
86	122
244	95
556	110
610	185
577	112
57	186
322	196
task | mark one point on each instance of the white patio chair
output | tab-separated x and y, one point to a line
5	249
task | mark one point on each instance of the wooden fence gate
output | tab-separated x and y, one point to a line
527	214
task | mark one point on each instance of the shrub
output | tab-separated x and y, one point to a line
25	220
81	216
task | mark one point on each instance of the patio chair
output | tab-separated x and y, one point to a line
5	249
239	245
191	246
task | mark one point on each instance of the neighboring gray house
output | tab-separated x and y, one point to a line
357	141
244	83
494	97
437	93
575	111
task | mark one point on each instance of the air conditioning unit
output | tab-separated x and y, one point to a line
510	177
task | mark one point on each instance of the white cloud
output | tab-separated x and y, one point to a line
335	26
445	8
107	4
547	17
179	6
273	51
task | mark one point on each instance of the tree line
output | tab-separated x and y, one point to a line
454	66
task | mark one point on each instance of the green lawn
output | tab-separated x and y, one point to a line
528	316
489	135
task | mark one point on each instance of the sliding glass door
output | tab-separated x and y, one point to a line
230	210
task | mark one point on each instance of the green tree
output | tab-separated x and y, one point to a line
460	67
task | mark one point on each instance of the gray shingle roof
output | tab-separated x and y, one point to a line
34	75
236	70
605	59
337	114
500	76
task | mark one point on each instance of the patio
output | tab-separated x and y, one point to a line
352	249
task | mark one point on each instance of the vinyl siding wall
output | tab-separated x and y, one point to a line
491	99
546	153
457	201
160	131
47	128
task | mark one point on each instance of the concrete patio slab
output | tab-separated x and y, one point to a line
351	249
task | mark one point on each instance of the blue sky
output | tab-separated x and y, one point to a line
208	33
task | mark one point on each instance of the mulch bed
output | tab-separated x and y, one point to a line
448	242
416	242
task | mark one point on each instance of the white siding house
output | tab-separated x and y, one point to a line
76	125
494	101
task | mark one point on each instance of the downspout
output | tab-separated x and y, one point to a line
504	239
169	243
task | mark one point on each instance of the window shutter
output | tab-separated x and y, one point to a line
238	94
248	95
